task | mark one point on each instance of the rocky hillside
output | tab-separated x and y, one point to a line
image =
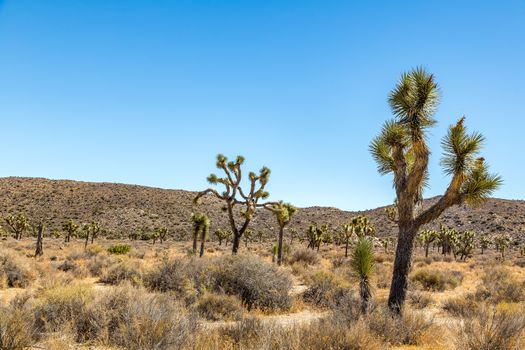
129	208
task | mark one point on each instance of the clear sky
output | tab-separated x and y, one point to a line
148	92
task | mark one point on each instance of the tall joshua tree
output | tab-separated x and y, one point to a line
201	225
283	213
401	149
234	196
18	224
70	227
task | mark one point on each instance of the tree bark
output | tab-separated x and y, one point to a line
402	264
280	247
202	248
39	241
236	243
195	243
346	248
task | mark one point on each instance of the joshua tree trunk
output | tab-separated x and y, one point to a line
364	290
194	243
39	241
427	245
87	240
346	247
402	263
280	246
202	248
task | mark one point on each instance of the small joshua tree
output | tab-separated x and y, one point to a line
502	242
465	244
70	228
313	236
248	234
401	149
235	196
39	251
358	225
201	225
448	239
18	224
484	242
95	230
162	233
90	230
426	237
283	213
222	235
293	234
363	265
346	233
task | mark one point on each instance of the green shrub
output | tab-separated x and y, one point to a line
119	249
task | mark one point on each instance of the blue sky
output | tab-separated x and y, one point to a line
148	92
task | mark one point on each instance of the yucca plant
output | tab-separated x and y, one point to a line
283	213
401	149
201	226
363	265
71	228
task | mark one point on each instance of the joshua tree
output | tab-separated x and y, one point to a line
484	243
293	234
234	194
162	233
362	227
401	149
465	244
155	235
18	224
283	213
70	227
427	237
39	251
222	234
448	239
247	237
90	230
346	233
95	230
201	225
363	264
502	242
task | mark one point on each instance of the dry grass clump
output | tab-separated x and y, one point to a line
98	264
325	289
464	306
14	273
219	307
500	285
420	300
406	329
124	271
437	280
491	328
304	256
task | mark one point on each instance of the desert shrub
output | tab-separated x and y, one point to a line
500	285
14	272
98	264
464	306
420	300
16	328
130	318
257	283
93	250
437	280
325	289
119	249
59	306
304	256
492	329
216	307
405	329
185	278
72	267
123	271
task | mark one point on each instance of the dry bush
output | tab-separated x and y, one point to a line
325	289
437	280
130	318
500	285
98	264
124	271
464	306
305	257
257	283
405	329
492	329
218	307
14	273
420	300
16	328
57	308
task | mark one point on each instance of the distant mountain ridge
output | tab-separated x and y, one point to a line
130	208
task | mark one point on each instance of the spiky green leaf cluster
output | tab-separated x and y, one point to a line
363	258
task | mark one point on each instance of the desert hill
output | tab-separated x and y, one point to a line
124	209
